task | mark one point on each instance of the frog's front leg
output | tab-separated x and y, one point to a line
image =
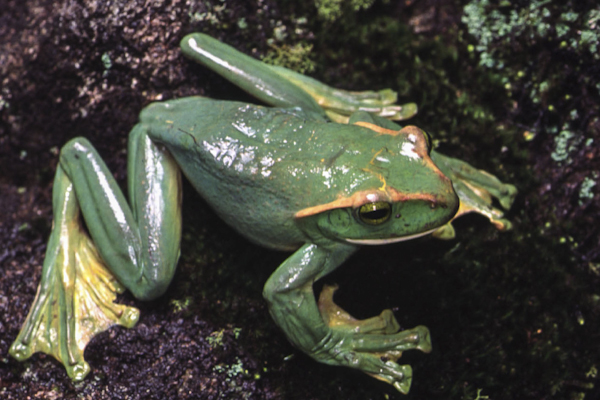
329	334
476	189
136	246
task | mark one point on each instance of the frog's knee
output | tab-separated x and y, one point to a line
154	280
75	150
149	289
268	293
271	292
76	153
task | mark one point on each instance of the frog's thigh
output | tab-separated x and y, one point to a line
140	244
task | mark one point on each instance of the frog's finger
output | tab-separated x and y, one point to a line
342	348
381	366
479	179
400	376
476	190
482	183
417	338
377	334
337	318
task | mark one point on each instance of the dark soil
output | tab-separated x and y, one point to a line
513	315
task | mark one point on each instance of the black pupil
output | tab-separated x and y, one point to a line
375	214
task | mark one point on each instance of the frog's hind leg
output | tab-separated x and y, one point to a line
133	247
75	298
340	104
282	87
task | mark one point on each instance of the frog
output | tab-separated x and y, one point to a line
309	169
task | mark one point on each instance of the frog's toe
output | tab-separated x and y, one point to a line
78	371
445	232
507	195
403	385
387	320
20	351
399	376
502	224
423	339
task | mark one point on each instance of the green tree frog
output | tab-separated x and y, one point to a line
317	171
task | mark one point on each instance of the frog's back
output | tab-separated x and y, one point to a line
249	162
230	133
242	143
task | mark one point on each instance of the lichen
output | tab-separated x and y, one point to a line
491	25
565	143
586	190
214	14
231	370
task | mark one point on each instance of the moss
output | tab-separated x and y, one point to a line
296	57
332	10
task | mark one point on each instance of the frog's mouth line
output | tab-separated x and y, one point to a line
371	242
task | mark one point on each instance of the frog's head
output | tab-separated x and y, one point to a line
402	195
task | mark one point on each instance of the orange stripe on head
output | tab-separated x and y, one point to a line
376	128
390	195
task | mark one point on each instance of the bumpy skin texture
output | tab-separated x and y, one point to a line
287	177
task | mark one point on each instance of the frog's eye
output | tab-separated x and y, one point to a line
429	141
375	213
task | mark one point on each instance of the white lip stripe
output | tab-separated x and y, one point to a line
371	242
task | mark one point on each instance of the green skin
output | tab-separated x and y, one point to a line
286	177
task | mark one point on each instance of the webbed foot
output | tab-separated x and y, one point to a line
75	298
475	189
372	345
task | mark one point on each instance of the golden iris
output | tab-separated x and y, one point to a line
375	213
